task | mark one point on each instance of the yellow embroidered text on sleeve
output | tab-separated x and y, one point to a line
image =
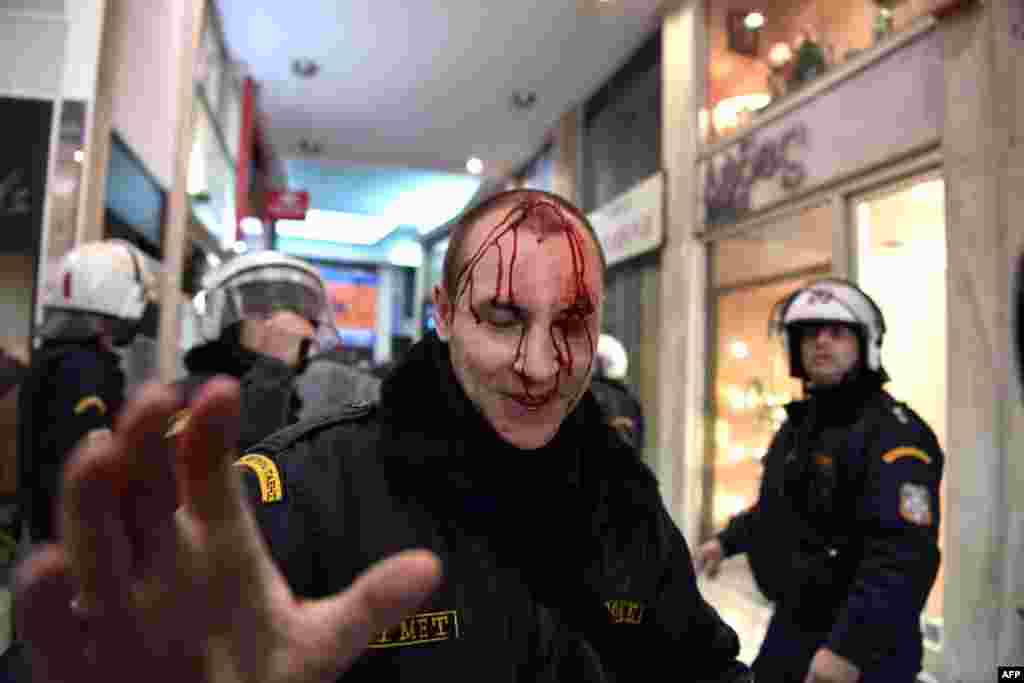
91	402
906	452
269	476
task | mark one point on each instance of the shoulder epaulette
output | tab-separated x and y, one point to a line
282	439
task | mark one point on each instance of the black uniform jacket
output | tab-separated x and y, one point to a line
71	389
268	387
559	564
622	410
844	534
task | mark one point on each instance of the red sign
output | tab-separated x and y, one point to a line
287	204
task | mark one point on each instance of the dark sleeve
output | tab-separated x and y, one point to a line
85	394
281	505
898	517
686	622
736	536
269	401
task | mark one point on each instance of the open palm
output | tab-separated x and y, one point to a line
161	573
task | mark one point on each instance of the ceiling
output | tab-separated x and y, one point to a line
408	89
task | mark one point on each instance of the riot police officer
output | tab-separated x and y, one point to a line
843	537
622	409
75	386
259	317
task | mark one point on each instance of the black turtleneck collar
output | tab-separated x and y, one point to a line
839	404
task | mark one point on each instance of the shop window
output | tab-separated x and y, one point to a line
901	263
750	380
761	51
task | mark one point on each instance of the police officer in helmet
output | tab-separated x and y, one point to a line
843	537
93	304
259	318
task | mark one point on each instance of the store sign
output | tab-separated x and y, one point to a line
730	177
633	223
288	205
881	113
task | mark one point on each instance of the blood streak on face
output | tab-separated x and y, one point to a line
532	285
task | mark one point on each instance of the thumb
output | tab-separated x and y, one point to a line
378	599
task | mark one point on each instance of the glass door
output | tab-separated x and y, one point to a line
901	264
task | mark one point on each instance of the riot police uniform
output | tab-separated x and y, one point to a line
254	287
622	409
75	386
559	564
844	535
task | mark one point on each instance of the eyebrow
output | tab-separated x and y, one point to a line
506	305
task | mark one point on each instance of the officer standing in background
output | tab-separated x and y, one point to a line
623	411
260	316
75	386
843	537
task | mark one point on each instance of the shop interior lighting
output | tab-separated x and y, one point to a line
754	21
475	166
739	350
79	156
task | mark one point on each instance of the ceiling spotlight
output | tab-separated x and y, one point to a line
79	156
305	68
754	21
523	99
475	166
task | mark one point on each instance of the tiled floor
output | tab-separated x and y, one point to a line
737	599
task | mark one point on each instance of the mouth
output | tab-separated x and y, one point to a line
530	402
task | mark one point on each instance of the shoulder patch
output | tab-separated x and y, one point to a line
906	452
91	402
280	440
915	504
271	486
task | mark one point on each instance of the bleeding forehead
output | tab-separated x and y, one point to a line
553	251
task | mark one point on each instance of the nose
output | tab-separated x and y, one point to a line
537	358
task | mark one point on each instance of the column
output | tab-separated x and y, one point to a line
681	402
978	148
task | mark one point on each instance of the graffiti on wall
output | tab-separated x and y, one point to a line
730	176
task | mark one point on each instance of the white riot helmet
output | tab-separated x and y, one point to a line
257	285
831	300
94	285
612	360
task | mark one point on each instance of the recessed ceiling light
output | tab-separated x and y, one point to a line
754	21
79	156
305	68
523	99
475	166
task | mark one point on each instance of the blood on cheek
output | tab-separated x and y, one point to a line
548	221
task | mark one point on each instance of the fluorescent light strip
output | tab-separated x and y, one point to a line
338	226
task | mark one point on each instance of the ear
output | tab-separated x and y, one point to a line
443	311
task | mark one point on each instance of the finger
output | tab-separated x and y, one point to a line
148	492
92	527
378	599
207	449
55	642
227	532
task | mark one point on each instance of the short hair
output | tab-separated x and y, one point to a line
453	259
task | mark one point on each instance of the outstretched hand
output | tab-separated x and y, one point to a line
142	588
